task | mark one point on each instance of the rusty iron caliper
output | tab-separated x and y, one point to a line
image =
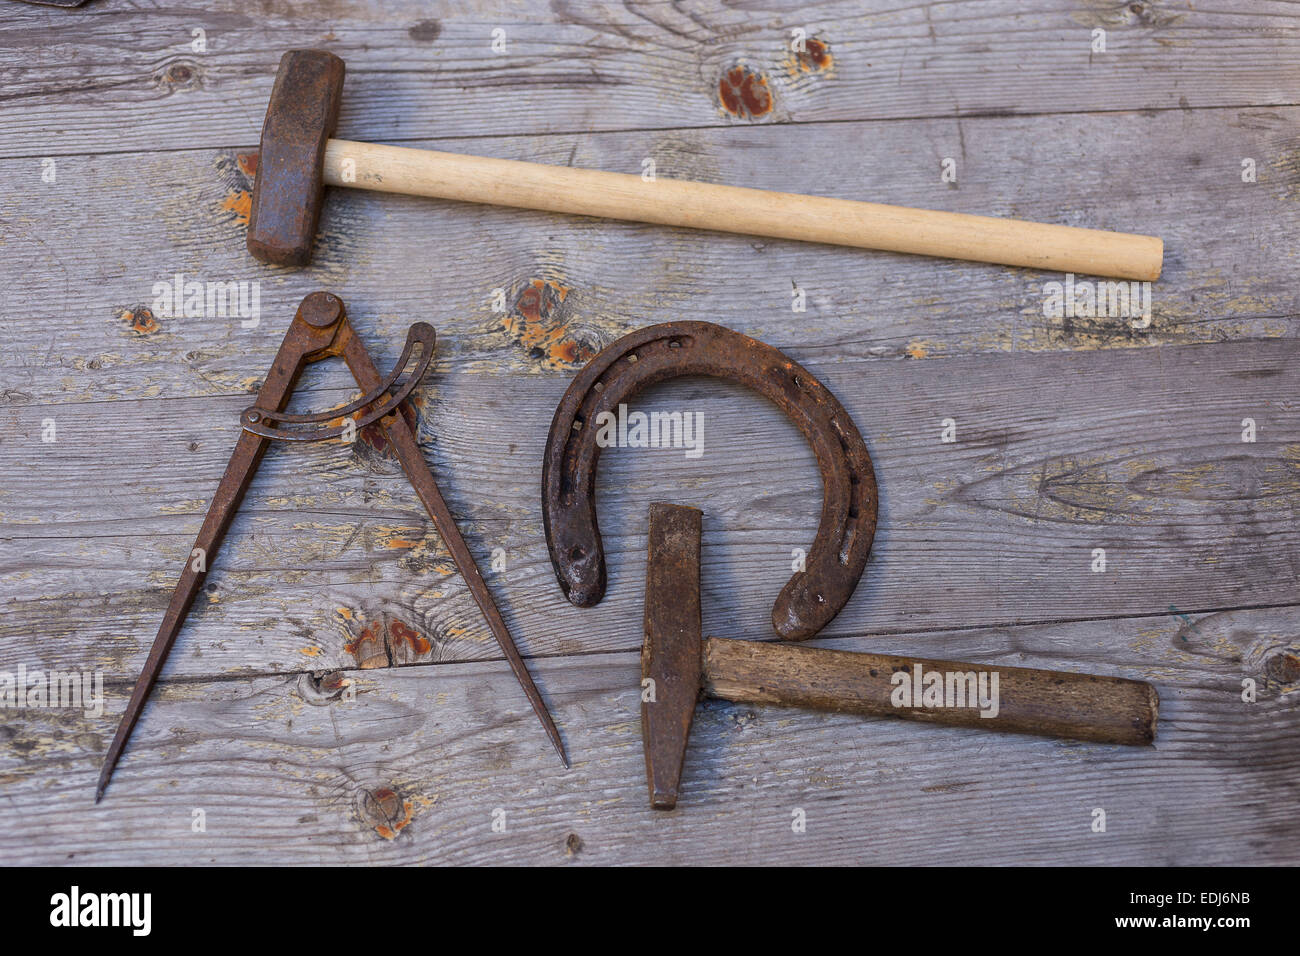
320	330
848	521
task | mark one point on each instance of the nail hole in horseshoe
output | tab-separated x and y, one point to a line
631	357
576	553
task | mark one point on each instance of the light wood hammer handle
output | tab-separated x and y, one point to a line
1053	703
755	212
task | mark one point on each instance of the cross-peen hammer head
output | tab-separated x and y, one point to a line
678	666
287	194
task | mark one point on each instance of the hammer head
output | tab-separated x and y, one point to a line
671	656
301	117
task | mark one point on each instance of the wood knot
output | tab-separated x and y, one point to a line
815	57
372	445
382	640
319	688
1283	667
426	31
384	811
744	93
138	319
541	321
180	75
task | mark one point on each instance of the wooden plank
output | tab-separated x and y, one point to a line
82	270
282	774
1138	452
1073	434
418	70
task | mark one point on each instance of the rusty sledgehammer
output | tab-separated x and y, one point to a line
678	666
298	159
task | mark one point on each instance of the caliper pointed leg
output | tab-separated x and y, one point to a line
239	473
417	472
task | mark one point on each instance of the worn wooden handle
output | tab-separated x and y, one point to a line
1109	710
755	212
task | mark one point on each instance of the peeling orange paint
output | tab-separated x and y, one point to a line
240	203
386	641
373	435
744	93
538	324
237	172
368	649
815	57
401	635
310	651
337	422
387	812
139	319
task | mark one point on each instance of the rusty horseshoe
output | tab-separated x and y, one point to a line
838	556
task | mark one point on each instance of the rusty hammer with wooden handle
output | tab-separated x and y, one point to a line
298	159
679	665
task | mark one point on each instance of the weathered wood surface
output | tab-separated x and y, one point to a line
1143	459
1231	271
428	69
1072	434
282	772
